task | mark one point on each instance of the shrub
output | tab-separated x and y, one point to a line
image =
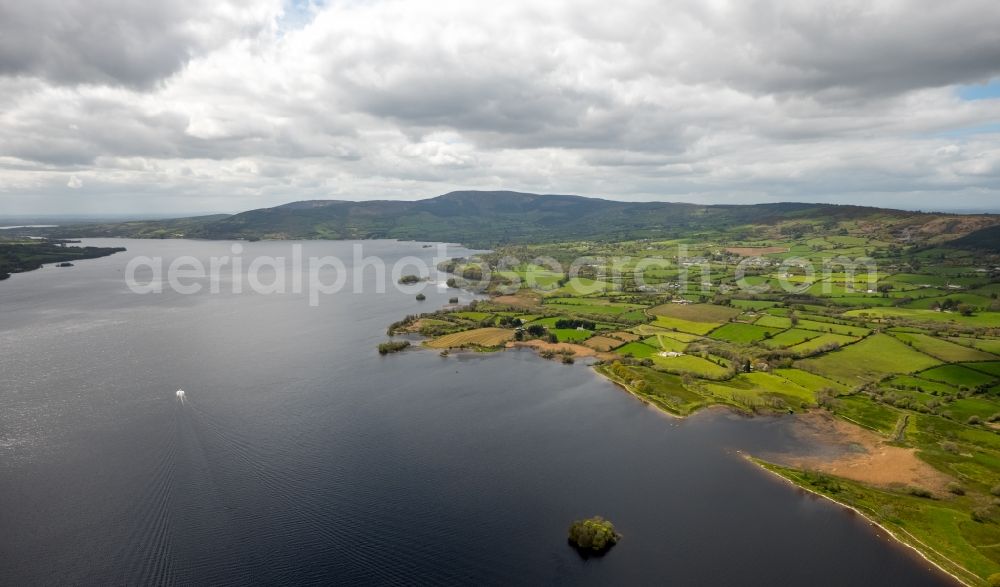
981	515
956	488
421	297
919	492
973	420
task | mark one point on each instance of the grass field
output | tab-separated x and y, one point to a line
570	334
871	359
482	337
741	333
762	390
832	328
661	389
790	337
920	384
864	412
691	364
695	312
579	306
700	328
754	304
980	320
942	349
957	375
991	367
781	322
811	381
819	341
637	349
989	345
474	316
665	343
982	407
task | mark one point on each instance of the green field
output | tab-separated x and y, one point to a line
637	350
989	345
762	390
920	384
863	412
820	341
811	381
790	337
957	375
664	390
780	322
871	359
981	320
991	367
741	333
700	328
942	349
691	364
571	334
695	312
832	328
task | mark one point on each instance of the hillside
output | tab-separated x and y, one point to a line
492	218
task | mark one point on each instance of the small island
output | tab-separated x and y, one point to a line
393	346
410	279
594	535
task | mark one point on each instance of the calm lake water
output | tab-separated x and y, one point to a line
301	456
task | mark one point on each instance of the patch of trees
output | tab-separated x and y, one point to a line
535	329
393	346
574	323
593	534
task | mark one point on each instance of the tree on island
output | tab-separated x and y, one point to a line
593	534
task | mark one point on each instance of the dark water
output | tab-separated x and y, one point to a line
301	456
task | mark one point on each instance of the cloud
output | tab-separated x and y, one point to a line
123	42
74	182
185	105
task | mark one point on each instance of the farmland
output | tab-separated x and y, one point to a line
910	357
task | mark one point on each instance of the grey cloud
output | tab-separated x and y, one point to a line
683	100
115	42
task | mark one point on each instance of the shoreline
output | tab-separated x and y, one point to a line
766	466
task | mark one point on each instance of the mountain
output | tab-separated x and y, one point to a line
480	218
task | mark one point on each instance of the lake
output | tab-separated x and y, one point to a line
302	456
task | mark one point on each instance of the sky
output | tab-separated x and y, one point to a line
187	106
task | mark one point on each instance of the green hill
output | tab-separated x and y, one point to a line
491	218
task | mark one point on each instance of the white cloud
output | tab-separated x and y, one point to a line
74	182
208	106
